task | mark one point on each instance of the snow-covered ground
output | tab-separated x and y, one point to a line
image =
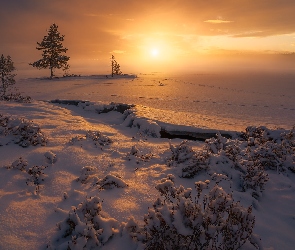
56	156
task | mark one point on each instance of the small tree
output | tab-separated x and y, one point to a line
52	56
115	67
7	78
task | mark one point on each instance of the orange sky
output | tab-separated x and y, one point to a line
155	35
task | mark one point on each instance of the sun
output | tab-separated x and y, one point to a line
154	52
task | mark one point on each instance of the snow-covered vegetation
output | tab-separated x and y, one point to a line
213	221
23	132
91	175
86	227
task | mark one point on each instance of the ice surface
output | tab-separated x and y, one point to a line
220	101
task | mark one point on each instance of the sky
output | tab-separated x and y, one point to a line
155	35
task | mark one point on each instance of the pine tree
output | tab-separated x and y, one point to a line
7	78
115	67
53	50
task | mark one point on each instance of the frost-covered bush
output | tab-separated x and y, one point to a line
50	157
178	220
233	150
255	179
270	149
257	135
181	153
189	161
3	121
20	164
102	107
214	145
289	138
76	139
133	229
137	155
16	97
87	173
86	227
25	132
288	144
98	138
134	151
36	178
36	174
111	181
268	156
218	177
256	151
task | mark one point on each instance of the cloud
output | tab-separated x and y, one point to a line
251	33
217	21
118	51
92	15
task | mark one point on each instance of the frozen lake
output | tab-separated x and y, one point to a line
220	101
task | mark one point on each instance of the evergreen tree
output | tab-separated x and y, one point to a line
115	67
53	51
7	78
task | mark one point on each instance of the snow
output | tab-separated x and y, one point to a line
101	165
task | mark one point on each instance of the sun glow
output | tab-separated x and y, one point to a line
158	53
154	52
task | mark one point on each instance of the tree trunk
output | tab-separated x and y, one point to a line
112	67
51	72
3	84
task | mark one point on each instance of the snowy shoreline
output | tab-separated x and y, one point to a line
81	77
165	130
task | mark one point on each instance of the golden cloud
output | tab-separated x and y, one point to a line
118	51
217	21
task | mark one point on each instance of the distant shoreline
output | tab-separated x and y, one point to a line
86	77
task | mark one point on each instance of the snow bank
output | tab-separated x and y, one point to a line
145	126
